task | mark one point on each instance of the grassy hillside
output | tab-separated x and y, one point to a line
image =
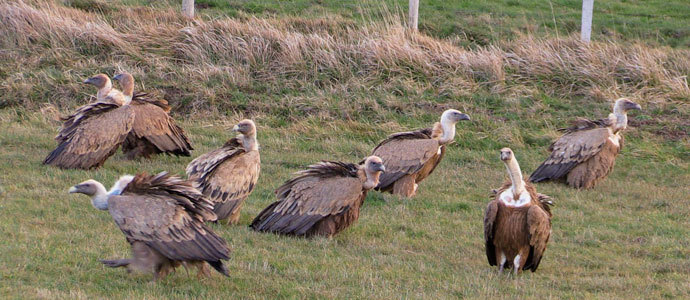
324	81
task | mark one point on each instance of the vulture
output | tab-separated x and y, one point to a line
162	218
587	152
228	174
106	92
94	132
411	156
517	222
153	131
322	200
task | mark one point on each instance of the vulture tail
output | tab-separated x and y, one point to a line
220	267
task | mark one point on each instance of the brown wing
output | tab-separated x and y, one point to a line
308	199
227	176
586	124
569	151
156	130
539	226
164	225
87	141
144	98
404	156
489	222
589	173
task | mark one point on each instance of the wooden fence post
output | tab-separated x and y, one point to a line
188	8
586	29
414	13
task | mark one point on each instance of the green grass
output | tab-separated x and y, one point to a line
625	238
659	22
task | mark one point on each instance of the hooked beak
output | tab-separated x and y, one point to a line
464	117
117	77
73	189
87	81
505	156
637	107
235	128
382	169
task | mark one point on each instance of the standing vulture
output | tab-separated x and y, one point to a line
162	218
94	132
411	156
227	175
322	200
517	223
587	151
153	131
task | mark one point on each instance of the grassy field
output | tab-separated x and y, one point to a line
324	82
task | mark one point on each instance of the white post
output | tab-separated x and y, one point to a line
586	29
188	8
414	13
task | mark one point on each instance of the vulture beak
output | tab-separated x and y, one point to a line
381	168
236	128
636	106
464	117
74	189
118	77
505	155
87	81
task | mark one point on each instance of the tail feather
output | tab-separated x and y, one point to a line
220	267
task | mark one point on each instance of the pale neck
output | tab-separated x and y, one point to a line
250	143
372	179
518	185
103	92
619	118
448	131
128	89
100	199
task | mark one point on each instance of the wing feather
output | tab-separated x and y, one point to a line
539	226
89	137
155	129
570	150
489	222
405	153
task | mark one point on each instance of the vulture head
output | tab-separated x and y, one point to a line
247	128
373	167
100	81
625	105
448	120
93	189
506	154
126	82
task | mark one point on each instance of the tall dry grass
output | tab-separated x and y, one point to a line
48	47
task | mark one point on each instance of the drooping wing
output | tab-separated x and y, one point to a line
305	200
585	124
84	112
167	227
141	98
87	141
226	175
570	150
489	222
539	225
154	125
404	154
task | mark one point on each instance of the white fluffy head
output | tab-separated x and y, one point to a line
453	116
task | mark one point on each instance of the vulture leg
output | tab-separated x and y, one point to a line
116	263
234	217
405	186
502	263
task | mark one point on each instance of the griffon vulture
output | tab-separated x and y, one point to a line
587	152
153	131
227	175
106	92
410	157
162	218
322	200
517	223
93	133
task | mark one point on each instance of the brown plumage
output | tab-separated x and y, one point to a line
227	175
162	217
410	157
91	135
322	200
517	223
153	131
587	152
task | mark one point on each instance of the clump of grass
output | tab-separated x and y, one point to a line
289	56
